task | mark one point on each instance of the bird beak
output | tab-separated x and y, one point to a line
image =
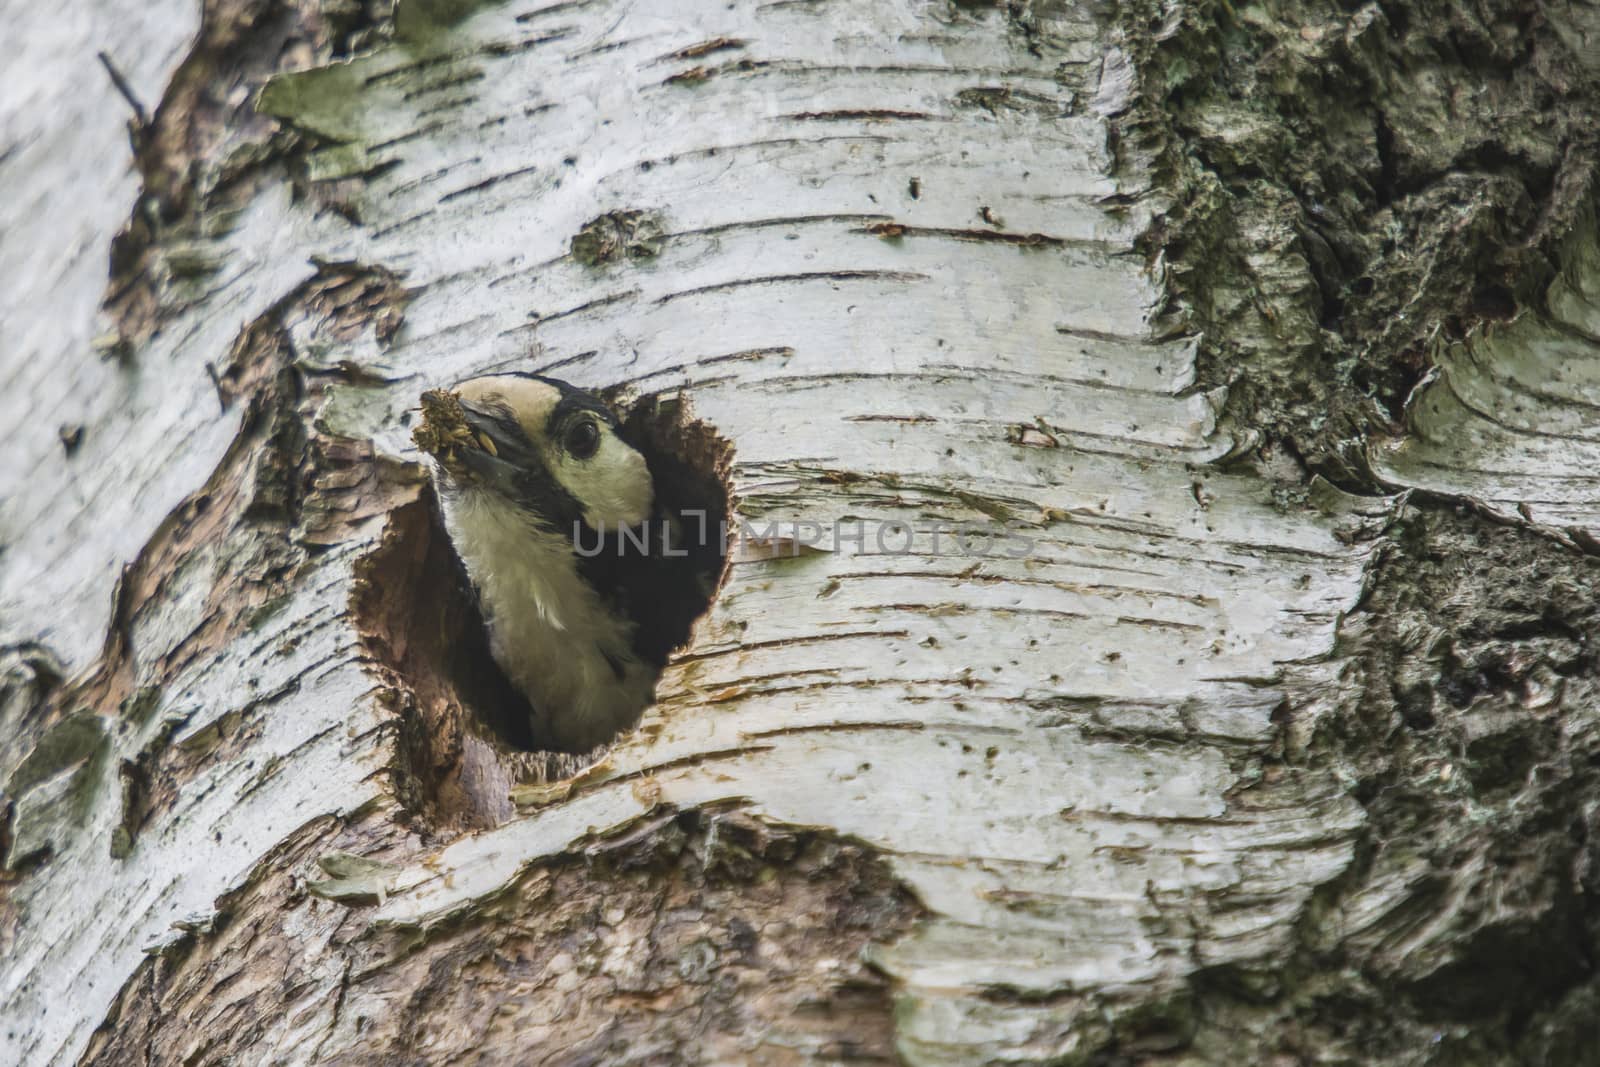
469	442
485	434
489	456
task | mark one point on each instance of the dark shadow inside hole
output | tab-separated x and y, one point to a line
468	732
455	708
689	469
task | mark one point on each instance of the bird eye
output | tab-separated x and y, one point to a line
582	440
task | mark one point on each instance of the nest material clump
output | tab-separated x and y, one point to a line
444	427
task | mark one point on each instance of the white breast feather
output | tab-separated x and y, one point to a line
547	626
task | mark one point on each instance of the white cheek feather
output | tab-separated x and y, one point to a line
549	630
613	486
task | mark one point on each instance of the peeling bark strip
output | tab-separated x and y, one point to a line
1094	765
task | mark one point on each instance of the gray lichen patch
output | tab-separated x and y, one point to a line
324	101
352	879
30	678
54	786
997	99
618	235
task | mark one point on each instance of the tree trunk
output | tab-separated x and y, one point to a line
1159	444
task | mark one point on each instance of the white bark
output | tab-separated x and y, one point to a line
69	186
1060	755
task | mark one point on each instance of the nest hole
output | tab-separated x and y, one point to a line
466	730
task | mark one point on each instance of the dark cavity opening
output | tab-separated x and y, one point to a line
467	734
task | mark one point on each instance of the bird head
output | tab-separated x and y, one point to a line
551	449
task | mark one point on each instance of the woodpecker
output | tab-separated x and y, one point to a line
568	547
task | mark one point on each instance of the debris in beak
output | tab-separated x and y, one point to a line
444	427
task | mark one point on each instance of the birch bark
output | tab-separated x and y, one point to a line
1040	797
